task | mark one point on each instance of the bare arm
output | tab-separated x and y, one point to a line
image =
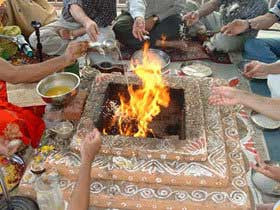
239	26
30	73
269	107
273	68
208	8
89	149
79	15
259	69
81	194
35	72
264	21
231	96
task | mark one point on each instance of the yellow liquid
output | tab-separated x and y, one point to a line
58	90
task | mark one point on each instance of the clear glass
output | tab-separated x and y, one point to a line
49	195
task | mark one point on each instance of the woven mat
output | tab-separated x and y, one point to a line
24	95
195	51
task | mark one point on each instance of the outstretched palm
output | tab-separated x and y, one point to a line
224	96
270	171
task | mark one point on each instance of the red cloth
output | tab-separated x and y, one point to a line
20	123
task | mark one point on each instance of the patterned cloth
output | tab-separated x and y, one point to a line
241	9
19	123
195	51
103	12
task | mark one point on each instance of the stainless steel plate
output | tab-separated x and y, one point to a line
265	184
196	69
18	161
20	203
164	58
264	122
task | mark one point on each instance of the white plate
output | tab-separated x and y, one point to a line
264	122
204	71
265	184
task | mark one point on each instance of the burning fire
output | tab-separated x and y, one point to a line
144	102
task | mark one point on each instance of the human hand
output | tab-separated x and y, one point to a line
9	147
256	69
224	96
270	171
75	50
150	23
90	146
236	27
191	18
92	30
139	30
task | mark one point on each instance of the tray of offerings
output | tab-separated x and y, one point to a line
13	169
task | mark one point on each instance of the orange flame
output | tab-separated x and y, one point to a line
145	101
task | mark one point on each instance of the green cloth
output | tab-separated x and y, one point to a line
8	48
73	68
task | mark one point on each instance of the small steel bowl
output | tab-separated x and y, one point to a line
59	79
163	56
64	129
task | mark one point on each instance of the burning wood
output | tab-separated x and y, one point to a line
136	112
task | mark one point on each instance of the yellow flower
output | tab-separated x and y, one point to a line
46	149
38	158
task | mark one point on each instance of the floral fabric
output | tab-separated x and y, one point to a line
20	123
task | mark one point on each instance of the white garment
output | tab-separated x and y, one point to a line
53	44
273	83
219	41
160	8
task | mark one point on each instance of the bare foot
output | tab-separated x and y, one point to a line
66	34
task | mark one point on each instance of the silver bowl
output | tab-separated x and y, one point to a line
59	79
163	56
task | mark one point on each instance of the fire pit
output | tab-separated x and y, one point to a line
178	133
176	142
169	123
163	145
